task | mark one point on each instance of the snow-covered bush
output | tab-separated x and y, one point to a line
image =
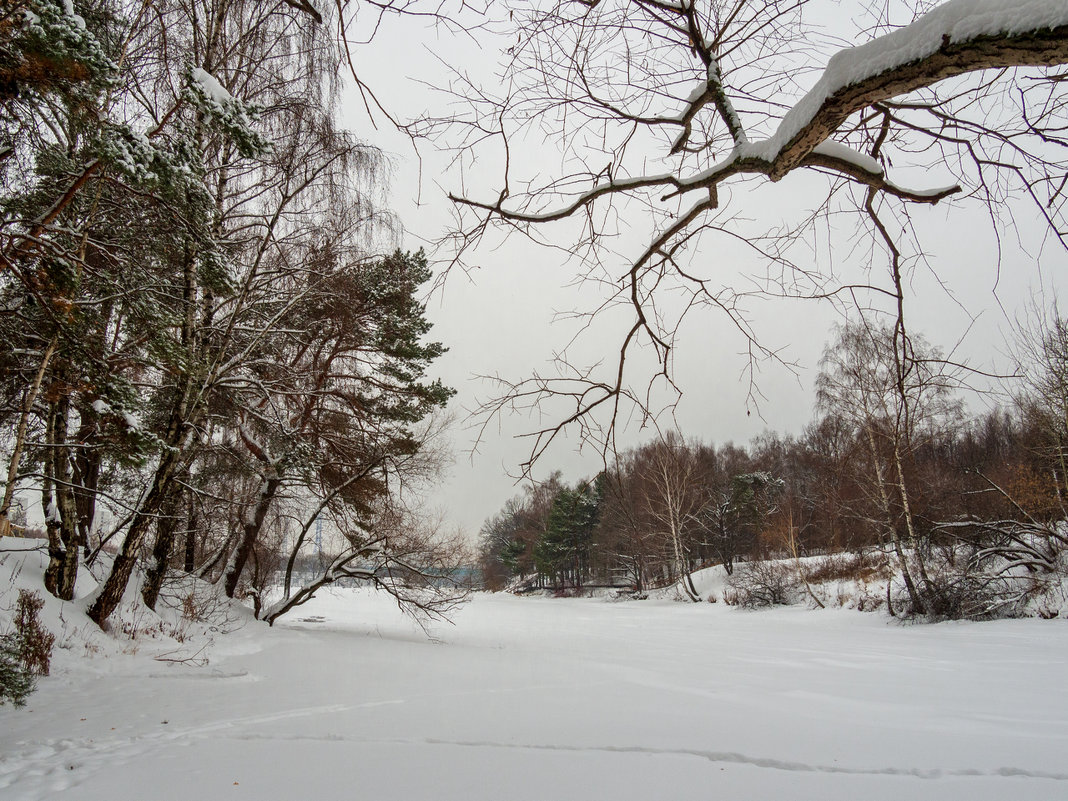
969	586
763	583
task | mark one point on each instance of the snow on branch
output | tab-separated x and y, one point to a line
235	118
955	38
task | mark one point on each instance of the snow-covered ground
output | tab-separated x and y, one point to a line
538	698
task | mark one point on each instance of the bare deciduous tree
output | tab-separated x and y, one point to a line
681	119
674	498
895	393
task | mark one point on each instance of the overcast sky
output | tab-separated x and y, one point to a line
505	317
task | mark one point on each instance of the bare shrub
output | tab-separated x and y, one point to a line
34	640
868	600
763	583
199	602
189	607
859	567
972	589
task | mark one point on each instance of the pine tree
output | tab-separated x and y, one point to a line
563	551
16	682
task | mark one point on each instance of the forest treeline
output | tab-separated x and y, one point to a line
210	347
969	510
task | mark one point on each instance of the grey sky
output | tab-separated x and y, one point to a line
504	317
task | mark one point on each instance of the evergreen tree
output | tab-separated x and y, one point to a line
16	681
563	552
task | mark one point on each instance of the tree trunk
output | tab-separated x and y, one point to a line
65	501
884	499
89	457
113	589
930	594
20	434
191	537
57	498
87	463
166	534
53	575
251	533
681	567
176	442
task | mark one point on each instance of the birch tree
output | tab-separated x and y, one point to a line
895	393
675	496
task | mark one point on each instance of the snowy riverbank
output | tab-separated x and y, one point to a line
535	698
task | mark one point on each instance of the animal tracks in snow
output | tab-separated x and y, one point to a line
56	765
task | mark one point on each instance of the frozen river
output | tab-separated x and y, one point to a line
534	698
